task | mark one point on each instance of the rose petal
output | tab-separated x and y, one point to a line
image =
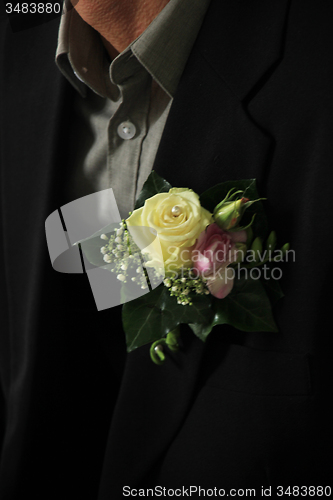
203	264
221	284
199	246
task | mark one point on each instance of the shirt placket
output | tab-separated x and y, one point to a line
127	130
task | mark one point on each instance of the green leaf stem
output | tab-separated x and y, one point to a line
213	196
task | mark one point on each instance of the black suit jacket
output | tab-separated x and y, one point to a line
81	419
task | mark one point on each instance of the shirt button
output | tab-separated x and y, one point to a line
126	130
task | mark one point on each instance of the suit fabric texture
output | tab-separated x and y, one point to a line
81	419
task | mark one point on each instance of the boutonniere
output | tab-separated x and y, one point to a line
188	259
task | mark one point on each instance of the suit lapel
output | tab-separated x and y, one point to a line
243	41
151	407
209	137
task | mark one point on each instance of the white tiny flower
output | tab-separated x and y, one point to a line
144	287
124	267
174	288
104	237
104	250
133	279
120	231
107	258
184	303
139	270
120	247
167	282
118	240
121	277
183	280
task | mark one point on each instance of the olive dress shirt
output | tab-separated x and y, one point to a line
122	105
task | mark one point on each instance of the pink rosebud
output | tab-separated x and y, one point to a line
214	250
228	214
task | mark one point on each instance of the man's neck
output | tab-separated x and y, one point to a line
119	22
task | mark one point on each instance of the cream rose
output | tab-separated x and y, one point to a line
178	219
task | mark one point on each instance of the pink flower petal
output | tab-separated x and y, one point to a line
203	264
221	284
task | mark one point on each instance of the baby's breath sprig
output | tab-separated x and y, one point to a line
117	252
181	287
125	258
129	263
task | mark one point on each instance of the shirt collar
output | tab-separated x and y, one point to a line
162	49
80	53
165	45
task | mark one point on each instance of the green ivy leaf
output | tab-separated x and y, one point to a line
202	331
273	290
154	315
141	319
153	185
246	308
